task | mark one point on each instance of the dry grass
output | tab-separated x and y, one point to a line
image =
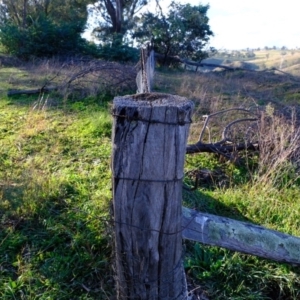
277	59
272	97
216	91
76	77
279	145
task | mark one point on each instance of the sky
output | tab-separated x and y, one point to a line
241	24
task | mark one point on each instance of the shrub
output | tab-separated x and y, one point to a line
122	53
42	38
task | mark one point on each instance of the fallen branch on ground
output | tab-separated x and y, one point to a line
30	92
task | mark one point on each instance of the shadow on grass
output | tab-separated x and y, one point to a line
63	251
50	247
204	203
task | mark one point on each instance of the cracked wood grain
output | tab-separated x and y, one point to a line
147	167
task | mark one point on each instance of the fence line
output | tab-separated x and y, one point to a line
150	132
146	66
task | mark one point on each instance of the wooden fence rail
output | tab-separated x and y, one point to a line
240	236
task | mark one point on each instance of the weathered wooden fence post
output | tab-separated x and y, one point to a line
145	75
149	141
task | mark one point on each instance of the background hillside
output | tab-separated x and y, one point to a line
285	60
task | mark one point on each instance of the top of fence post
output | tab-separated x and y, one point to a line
145	75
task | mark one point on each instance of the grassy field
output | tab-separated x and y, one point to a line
284	60
55	187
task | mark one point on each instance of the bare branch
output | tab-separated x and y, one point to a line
208	117
226	129
42	90
226	144
220	148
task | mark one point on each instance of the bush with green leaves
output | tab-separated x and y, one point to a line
41	38
122	53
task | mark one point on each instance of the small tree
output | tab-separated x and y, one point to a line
184	31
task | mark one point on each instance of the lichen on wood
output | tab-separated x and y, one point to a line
240	236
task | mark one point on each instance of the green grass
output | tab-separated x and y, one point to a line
54	202
55	193
224	274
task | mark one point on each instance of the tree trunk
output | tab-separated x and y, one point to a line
240	236
149	138
24	14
